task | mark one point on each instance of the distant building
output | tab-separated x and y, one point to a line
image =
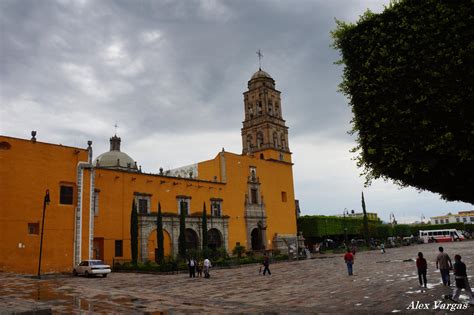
371	216
466	217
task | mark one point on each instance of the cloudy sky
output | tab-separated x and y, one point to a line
171	74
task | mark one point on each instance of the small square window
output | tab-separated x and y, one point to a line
464	219
33	228
118	248
66	195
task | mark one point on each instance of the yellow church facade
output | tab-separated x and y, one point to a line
249	197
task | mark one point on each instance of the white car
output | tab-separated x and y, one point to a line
91	267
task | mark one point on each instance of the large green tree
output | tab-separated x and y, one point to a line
409	75
182	230
159	236
134	233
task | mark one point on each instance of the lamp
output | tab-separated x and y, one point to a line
45	203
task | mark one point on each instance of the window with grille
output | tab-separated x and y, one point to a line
66	195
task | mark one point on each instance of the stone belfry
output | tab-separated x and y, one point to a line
264	127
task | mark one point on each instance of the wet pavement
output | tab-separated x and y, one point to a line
382	283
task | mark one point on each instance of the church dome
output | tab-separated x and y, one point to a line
114	158
261	74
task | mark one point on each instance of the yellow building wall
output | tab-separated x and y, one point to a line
275	178
117	191
27	170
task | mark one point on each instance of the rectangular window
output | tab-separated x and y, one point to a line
472	219
183	206
142	206
118	248
96	203
33	228
457	219
216	206
436	221
283	196
66	195
464	219
253	196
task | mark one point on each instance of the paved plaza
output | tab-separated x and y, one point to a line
381	283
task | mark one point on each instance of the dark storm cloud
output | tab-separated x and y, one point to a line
167	65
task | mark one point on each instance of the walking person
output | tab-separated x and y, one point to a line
422	266
266	264
192	268
349	259
461	280
199	269
382	248
207	265
443	263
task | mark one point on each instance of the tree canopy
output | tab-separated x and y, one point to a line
409	77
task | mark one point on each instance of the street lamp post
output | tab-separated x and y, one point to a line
45	202
345	226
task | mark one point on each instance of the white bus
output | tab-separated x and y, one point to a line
446	235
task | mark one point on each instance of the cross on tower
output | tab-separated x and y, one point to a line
116	126
260	55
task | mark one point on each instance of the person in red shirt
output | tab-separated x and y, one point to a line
422	266
349	259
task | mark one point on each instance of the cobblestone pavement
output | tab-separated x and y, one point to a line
381	283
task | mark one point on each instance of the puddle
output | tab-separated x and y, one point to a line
65	299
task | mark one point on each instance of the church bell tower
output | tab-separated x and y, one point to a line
264	132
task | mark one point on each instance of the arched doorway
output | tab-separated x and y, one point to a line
191	239
214	239
153	245
256	236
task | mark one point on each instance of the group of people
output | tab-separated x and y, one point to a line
199	266
444	264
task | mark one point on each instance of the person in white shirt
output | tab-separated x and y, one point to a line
207	265
192	268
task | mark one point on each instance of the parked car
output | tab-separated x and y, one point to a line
91	267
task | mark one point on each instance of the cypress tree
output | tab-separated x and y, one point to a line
134	233
159	236
182	229
204	227
365	220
